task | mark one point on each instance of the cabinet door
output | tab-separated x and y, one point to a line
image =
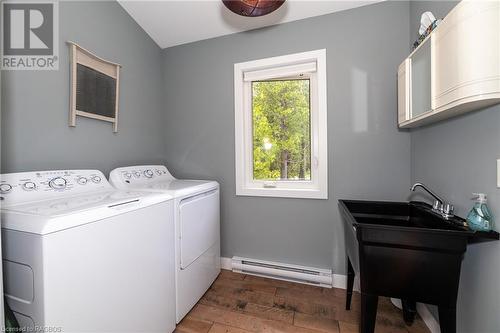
403	92
466	48
420	78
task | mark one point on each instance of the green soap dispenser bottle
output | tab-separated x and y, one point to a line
480	217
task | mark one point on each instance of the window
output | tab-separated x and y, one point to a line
281	128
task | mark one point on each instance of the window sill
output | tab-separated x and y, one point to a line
283	193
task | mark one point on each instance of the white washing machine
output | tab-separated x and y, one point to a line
81	256
197	227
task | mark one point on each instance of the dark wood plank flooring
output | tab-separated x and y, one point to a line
239	303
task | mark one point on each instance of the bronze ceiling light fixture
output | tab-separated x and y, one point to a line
253	8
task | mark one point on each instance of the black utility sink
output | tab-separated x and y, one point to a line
405	250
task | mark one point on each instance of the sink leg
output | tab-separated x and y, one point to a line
368	313
350	284
409	311
447	319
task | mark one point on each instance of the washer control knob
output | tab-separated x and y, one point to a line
96	179
29	186
82	180
137	174
127	175
5	188
58	183
148	173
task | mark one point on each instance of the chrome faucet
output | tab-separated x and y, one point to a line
439	205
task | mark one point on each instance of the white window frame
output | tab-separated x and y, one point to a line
282	67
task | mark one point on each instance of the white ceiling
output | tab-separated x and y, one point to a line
172	23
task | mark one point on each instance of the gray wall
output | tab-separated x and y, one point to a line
457	157
368	157
35	132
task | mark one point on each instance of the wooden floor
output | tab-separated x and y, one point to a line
238	303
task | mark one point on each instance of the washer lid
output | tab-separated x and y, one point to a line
53	215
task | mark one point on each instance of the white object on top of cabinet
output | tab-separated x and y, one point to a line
464	68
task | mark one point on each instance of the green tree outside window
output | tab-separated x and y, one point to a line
281	130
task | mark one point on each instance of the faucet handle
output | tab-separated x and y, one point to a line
437	206
448	209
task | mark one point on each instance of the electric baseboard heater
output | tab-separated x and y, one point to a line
280	271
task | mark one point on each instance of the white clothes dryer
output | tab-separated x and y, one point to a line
197	227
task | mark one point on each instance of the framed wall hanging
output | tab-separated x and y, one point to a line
95	86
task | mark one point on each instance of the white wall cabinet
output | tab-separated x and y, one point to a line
455	70
404	91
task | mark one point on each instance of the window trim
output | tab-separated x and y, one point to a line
317	188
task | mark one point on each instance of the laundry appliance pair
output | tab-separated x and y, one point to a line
82	255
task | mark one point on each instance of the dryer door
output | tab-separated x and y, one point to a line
199	225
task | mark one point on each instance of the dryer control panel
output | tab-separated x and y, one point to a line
141	174
17	188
